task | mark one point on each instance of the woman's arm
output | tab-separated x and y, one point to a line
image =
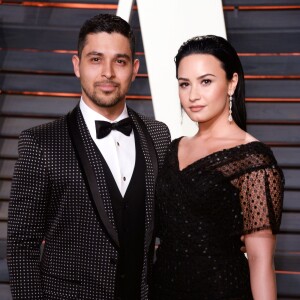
260	251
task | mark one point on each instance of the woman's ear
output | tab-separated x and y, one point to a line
233	83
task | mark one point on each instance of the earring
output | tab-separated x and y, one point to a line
230	109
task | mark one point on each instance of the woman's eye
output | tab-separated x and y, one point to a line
183	84
206	81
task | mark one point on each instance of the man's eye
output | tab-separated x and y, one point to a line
121	61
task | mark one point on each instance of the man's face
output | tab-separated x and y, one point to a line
106	71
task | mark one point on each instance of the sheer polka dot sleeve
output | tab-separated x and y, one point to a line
261	196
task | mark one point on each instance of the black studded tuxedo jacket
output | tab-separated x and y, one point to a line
60	201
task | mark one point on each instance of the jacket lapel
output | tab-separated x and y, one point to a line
92	170
93	173
151	173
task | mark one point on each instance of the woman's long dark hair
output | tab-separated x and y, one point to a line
221	49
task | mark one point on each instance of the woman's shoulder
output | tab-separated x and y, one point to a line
250	138
253	151
254	157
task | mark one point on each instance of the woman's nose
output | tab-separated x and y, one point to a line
194	94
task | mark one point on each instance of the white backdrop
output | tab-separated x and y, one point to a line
165	25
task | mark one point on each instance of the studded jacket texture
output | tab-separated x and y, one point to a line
51	208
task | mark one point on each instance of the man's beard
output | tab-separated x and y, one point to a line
98	100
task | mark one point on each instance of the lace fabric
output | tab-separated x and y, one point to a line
203	210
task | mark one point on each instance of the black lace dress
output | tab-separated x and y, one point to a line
203	210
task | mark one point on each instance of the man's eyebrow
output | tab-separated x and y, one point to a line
94	53
118	55
123	55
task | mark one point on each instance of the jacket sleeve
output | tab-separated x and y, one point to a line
26	219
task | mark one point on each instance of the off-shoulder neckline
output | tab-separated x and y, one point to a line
225	150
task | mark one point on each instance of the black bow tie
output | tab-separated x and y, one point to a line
103	128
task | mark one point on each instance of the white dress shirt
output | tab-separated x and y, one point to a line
117	149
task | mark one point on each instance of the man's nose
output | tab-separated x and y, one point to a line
107	70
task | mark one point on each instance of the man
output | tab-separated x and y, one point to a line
87	189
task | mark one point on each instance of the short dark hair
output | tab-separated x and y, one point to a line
108	23
221	49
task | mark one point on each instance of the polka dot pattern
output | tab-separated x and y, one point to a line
50	202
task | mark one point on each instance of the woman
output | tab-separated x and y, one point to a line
216	186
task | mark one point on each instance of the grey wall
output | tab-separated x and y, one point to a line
37	85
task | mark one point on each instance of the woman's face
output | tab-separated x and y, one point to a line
203	87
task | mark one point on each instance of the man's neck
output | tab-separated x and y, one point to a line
110	113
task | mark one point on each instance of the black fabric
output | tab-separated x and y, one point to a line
89	175
202	212
151	147
79	259
103	128
129	212
149	237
